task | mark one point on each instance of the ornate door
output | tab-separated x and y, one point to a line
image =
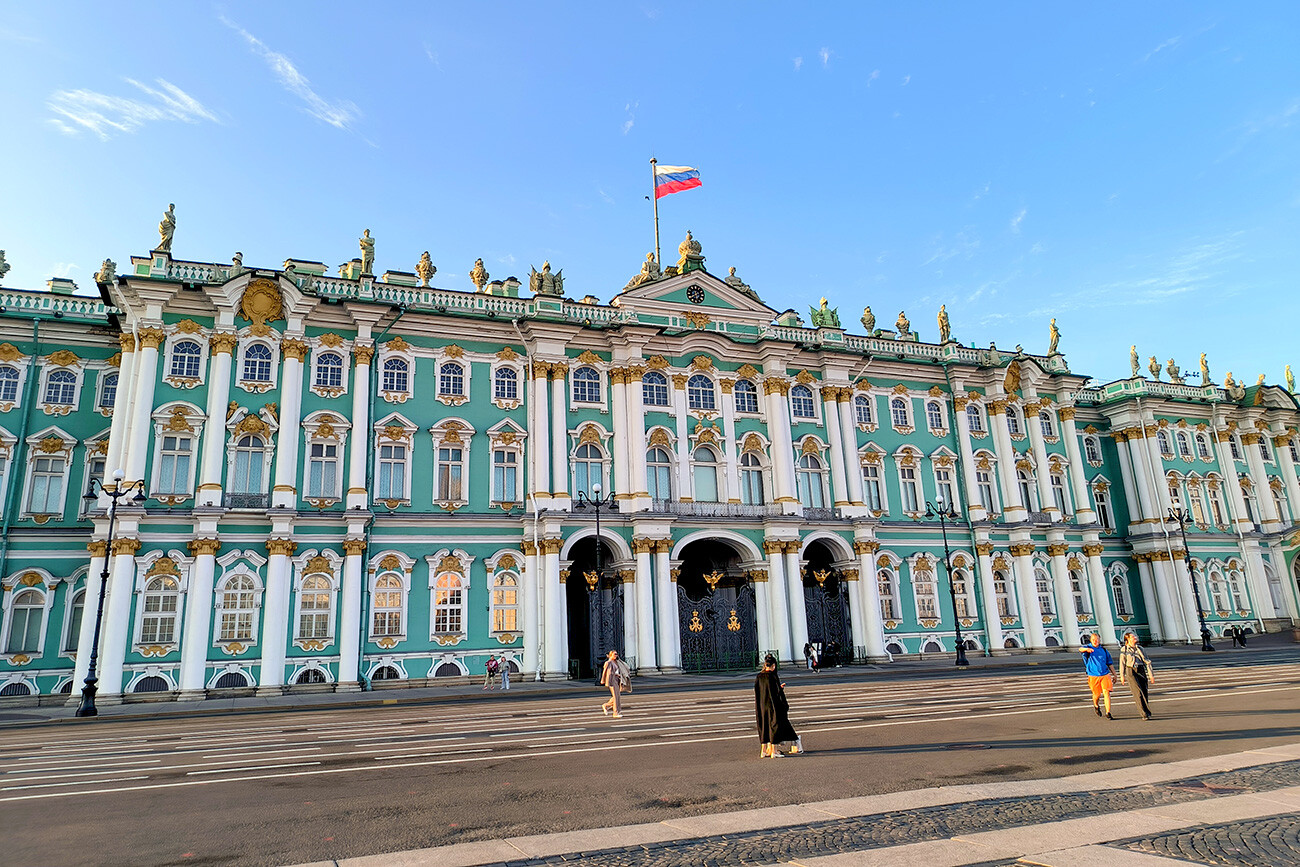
605	609
827	604
720	631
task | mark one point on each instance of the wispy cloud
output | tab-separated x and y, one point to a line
1171	42
104	114
604	195
432	55
630	108
1018	219
7	35
907	79
963	244
825	55
341	114
875	74
798	64
981	192
62	269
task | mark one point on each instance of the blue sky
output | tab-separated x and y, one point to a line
1128	168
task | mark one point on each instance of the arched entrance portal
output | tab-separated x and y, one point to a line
716	610
594	608
826	600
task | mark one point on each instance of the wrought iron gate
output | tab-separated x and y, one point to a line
605	619
720	631
827	605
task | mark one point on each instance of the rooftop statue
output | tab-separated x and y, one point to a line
868	321
1154	366
479	275
236	266
648	274
824	316
367	244
995	357
1235	390
1205	370
902	325
1174	373
1290	379
732	280
1133	359
543	282
166	229
1053	337
4	266
425	269
107	272
945	327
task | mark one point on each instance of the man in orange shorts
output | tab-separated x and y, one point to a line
1101	673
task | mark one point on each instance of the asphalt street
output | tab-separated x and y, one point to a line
326	784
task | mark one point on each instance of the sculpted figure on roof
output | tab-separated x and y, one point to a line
945	327
4	266
1175	373
649	272
543	282
479	275
166	229
425	269
824	316
107	272
367	245
868	320
903	326
735	282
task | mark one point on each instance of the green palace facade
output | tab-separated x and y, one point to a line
367	479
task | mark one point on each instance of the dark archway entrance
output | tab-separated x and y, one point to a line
716	610
826	600
595	615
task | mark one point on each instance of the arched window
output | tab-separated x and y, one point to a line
1014	427
659	474
1216	501
888	596
451	379
751	480
1175	490
1045	423
1294	448
186	355
505	385
159	606
746	396
801	402
1101	497
396	375
1234	447
654	389
809	482
257	363
1234	585
960	595
586	385
1162	443
1002	593
1091	450
1043	585
329	370
924	588
699	392
1217	598
8	384
1195	501
505	603
107	390
238	605
984	485
72	636
974	418
448	607
898	412
1120	592
387	602
862	410
26	620
61	388
934	415
1203	447
315	607
250	459
705	470
588	469
1184	445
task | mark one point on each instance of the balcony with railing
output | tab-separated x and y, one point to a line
247	501
714	510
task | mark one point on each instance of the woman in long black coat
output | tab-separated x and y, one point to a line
772	712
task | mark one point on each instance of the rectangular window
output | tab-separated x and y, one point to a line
159	624
449	473
47	487
174	465
74	623
871	483
946	489
910	499
392	473
504	474
1058	492
94	471
236	626
322	470
984	483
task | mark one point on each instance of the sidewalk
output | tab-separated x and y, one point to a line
901	668
1238	808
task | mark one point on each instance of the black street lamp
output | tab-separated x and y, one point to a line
1179	516
596	501
87	706
945	513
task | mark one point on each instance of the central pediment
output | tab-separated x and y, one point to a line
696	291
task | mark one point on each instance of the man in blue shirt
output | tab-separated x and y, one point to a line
1101	673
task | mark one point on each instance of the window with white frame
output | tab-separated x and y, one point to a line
1101	499
159	606
961	593
1234	585
26	621
1056	479
1234	447
704	471
934	416
505	475
927	595
1280	502
450	473
1028	489
448	604
1045	424
945	489
751	479
451	379
237	602
862	410
257	363
1195	501
1091	450
911	492
249	466
1043	586
393	472
1077	591
1002	594
1294	448
329	370
873	487
588	469
1217	510
654	390
1014	427
1184	445
899	414
61	388
801	402
396	376
745	395
323	475
175	464
1163	444
809	481
72	629
45	486
95	466
505	602
1203	447
1217	587
8	384
974	418
1119	592
1248	496
505	384
1175	491
984	485
107	390
659	474
388	601
699	393
187	358
315	608
888	587
586	385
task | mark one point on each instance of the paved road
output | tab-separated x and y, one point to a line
326	784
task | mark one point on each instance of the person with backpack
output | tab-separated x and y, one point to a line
492	667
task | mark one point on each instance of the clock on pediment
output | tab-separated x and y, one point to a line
695	294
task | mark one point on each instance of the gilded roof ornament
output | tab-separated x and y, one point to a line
397	344
262	302
188	326
507	354
425	269
690	252
479	275
902	325
319	565
1011	382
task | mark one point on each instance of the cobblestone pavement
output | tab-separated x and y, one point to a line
950	820
1270	842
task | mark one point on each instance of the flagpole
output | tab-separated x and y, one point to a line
655	198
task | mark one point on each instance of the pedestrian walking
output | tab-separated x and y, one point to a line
1135	670
612	676
1100	666
810	656
505	673
490	677
772	713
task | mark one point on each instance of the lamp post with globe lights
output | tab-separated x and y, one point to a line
945	513
1179	516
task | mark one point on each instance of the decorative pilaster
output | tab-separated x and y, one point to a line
670	645
539	441
354	576
222	344
362	436
778	616
831	415
1031	613
285	492
1102	610
643	589
685	481
275	614
1013	509
993	636
975	508
852	464
1251	442
553	613
117	616
1057	550
560	494
636	439
198	619
624	485
729	445
873	625
1083	511
532	587
136	453
1041	471
778	428
98	549
794	584
123	410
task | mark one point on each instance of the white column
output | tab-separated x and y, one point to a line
1183	577
350	626
831	416
777	616
762	602
554	620
729	444
1064	592
1042	473
857	611
1131	502
670	647
647	659
146	376
362	435
123	409
974	507
636	440
685	483
1251	442
631	619
117	623
1162	578
1031	613
873	625
794	585
560	494
1150	601
1102	610
1083	511
1142	482
531	585
214	427
539	442
197	636
90	602
275	613
994	639
1282	449
1013	510
288	440
624	486
849	435
778	430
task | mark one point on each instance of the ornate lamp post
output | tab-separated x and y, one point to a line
87	706
1179	516
596	501
945	513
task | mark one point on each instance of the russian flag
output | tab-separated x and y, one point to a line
674	179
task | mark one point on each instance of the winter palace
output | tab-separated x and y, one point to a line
356	480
